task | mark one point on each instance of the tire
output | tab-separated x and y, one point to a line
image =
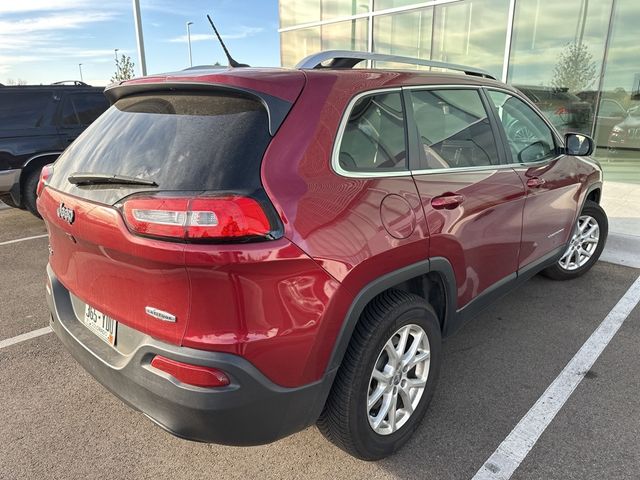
346	419
29	192
564	269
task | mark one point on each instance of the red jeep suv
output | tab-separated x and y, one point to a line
240	254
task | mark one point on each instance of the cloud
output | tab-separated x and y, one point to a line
10	7
48	23
41	37
239	33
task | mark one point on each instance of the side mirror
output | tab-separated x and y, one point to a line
578	144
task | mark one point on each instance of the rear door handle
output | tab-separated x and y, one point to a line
535	182
447	201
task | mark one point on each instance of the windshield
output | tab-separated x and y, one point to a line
179	141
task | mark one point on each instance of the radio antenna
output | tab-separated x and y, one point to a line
232	62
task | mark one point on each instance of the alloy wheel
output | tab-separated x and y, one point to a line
583	244
398	380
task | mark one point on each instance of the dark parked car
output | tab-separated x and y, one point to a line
36	124
242	253
610	114
626	134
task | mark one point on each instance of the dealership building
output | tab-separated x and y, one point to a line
578	60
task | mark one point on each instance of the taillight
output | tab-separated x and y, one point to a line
45	175
197	218
191	374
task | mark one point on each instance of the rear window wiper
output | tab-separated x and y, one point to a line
79	178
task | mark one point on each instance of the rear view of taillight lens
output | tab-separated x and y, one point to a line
45	175
197	218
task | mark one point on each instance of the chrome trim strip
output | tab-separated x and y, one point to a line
8	178
41	155
160	314
335	154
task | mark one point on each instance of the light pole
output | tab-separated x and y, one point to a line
115	51
139	37
189	42
80	68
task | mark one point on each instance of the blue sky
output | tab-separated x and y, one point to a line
42	41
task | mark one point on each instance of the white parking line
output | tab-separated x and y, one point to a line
25	336
22	239
513	450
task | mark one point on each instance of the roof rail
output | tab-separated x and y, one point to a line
77	83
349	59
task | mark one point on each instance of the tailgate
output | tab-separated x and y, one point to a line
99	261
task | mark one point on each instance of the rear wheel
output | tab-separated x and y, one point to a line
388	376
29	192
585	246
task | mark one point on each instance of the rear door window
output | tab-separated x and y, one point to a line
194	141
23	109
454	129
374	136
82	109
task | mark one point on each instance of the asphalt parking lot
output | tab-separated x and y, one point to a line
57	422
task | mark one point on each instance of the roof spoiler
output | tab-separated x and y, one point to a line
277	108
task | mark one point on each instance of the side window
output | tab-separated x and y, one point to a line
454	129
23	109
82	109
374	137
529	137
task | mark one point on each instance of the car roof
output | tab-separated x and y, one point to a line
48	88
274	81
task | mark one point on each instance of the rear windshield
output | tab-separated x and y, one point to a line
179	141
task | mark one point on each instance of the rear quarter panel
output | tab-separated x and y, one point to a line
337	220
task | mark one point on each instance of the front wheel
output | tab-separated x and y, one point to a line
585	246
387	378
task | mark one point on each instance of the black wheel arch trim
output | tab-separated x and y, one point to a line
379	285
454	318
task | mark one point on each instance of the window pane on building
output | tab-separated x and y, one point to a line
296	12
343	8
350	35
472	32
407	34
556	57
617	132
297	44
384	4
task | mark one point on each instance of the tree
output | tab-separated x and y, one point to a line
575	70
124	69
19	81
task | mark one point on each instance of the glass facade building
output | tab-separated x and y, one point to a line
578	60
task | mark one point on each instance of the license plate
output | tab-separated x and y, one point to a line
102	325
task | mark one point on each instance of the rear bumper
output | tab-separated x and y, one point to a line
250	411
10	186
